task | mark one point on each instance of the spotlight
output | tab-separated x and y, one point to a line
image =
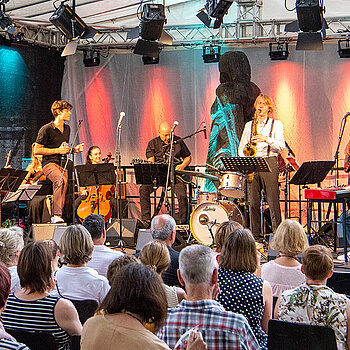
311	22
91	58
216	9
70	26
211	54
278	51
344	48
150	60
5	20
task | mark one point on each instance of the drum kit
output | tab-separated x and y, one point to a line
213	208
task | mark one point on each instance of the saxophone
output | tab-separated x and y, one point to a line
250	148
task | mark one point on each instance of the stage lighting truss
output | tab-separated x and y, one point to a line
215	9
344	48
211	53
278	51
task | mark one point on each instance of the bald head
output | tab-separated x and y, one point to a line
162	227
164	131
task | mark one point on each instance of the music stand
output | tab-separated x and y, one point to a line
10	180
151	174
95	175
245	166
24	193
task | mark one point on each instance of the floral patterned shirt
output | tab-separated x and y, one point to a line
327	309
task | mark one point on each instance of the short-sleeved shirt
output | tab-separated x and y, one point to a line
51	137
158	149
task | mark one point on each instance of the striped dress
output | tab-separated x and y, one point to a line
9	344
37	315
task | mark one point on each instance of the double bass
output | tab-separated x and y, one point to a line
97	200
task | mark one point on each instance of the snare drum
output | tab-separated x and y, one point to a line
206	197
211	215
231	185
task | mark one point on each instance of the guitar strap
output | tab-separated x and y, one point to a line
269	147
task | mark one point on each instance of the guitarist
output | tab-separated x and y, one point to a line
157	151
268	141
52	143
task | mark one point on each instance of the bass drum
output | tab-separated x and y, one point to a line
211	215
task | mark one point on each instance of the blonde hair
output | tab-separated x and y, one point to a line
76	245
268	101
317	262
11	241
290	238
156	256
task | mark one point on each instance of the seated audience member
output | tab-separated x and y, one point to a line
156	256
32	308
313	302
223	231
54	252
11	244
102	256
6	340
136	297
75	280
241	290
285	272
163	228
221	329
117	264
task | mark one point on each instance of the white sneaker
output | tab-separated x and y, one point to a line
56	219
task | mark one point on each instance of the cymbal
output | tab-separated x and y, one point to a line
198	174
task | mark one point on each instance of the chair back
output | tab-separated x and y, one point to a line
299	336
34	340
75	342
85	308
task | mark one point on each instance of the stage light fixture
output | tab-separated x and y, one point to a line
69	24
311	22
211	53
5	20
278	51
91	58
216	9
344	48
150	60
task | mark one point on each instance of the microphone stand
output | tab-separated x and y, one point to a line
336	155
118	192
71	153
170	175
188	136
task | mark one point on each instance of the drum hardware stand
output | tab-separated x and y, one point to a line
210	225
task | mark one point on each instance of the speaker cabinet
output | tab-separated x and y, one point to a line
144	236
130	229
38	232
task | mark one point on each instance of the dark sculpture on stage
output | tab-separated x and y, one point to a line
232	108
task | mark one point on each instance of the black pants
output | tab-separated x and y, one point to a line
269	183
180	192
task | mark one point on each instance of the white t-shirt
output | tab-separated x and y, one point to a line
102	256
15	283
281	277
80	283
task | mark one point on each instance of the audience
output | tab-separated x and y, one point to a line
221	329
285	272
241	290
6	340
54	253
163	228
117	264
156	256
102	256
11	244
315	303
75	280
32	308
223	231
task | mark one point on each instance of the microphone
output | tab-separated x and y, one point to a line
122	115
176	123
346	115
205	130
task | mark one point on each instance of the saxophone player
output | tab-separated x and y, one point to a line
263	137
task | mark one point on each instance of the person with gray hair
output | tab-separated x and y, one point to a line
163	229
11	244
221	329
